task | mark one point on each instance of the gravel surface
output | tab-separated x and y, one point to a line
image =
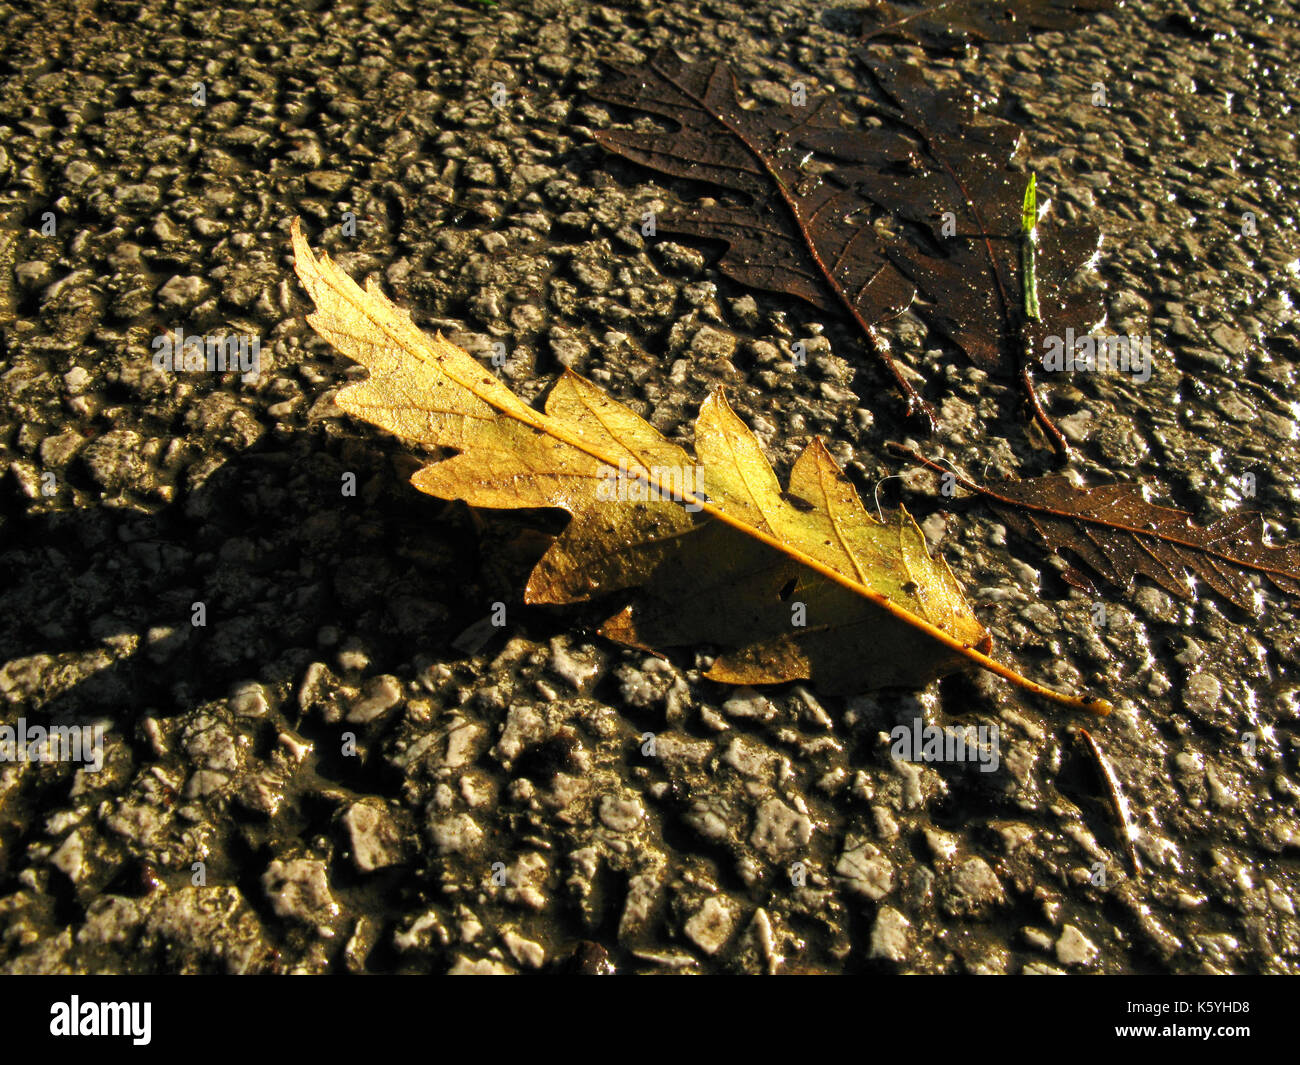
319	752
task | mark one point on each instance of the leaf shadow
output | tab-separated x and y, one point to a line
98	602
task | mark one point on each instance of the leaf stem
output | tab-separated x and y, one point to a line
1092	705
1088	704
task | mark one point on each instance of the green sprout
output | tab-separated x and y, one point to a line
1028	247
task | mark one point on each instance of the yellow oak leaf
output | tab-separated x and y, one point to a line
794	584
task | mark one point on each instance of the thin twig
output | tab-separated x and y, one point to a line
1117	800
916	456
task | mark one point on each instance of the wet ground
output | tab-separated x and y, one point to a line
319	755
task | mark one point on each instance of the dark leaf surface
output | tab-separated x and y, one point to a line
1113	534
788	230
810	188
952	164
